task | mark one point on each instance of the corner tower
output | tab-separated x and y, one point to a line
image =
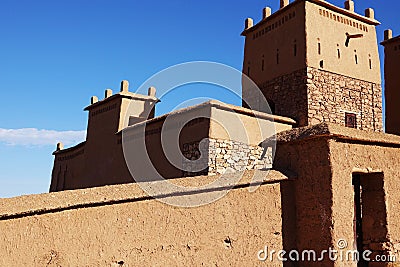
316	62
392	82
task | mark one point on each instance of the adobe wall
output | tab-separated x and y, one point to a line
275	46
392	84
120	226
313	192
383	227
325	157
326	28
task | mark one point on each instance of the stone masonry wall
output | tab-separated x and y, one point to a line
287	96
331	95
225	156
311	96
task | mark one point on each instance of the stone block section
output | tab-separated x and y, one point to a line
312	96
331	96
224	156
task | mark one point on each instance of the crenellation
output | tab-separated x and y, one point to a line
60	146
388	34
124	86
94	100
349	5
266	12
108	93
248	23
370	13
151	91
284	3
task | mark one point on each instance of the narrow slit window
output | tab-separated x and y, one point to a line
248	71
370	64
321	64
277	56
295	49
356	58
262	65
319	48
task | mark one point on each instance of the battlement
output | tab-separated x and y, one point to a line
124	93
388	38
348	11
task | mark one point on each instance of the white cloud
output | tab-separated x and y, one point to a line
38	137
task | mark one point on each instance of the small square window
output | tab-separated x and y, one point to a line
350	120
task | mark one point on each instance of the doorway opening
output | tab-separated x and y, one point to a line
370	227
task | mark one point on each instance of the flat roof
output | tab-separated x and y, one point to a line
129	95
220	105
332	130
38	204
391	40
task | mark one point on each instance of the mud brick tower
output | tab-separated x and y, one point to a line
316	62
392	82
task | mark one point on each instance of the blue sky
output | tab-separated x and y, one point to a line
54	55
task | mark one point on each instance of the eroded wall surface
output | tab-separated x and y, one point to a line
120	226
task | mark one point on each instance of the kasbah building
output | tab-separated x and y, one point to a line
330	182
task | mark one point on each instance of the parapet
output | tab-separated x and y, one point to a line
348	10
124	93
388	37
349	5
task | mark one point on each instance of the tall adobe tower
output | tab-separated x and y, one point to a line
316	62
392	82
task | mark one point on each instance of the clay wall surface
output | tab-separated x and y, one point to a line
313	193
327	65
374	162
270	45
325	158
120	226
326	31
103	161
392	85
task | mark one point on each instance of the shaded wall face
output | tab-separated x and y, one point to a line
392	87
313	193
275	49
229	232
380	189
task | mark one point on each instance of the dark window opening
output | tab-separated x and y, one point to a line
262	65
350	120
356	58
319	48
370	64
321	64
338	53
248	71
370	217
295	49
277	56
